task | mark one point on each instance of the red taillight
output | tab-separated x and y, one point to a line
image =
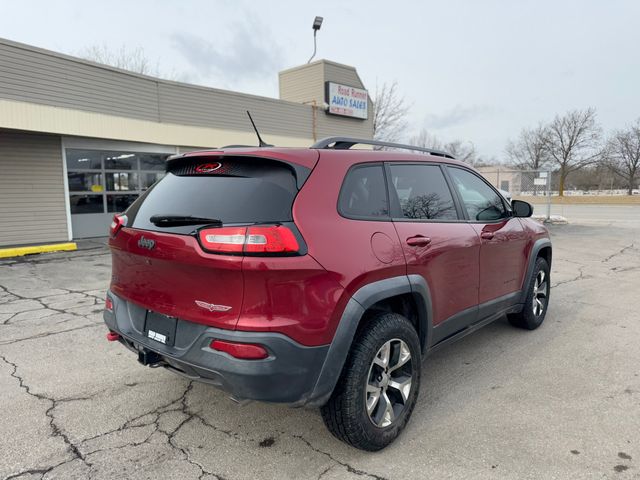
108	304
116	224
273	239
244	351
225	239
262	239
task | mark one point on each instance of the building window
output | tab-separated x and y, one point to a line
86	203
104	181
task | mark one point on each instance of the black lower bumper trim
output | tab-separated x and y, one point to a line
288	375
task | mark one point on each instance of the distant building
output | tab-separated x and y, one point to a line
80	141
503	178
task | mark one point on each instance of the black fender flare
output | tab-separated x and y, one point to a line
533	255
360	301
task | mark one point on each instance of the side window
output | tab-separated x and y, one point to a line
364	193
422	192
481	201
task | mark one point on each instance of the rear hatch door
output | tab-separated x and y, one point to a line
159	264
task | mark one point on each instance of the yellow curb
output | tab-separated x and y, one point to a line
54	247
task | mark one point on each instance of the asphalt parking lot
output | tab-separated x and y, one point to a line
561	402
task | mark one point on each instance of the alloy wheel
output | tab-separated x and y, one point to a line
540	293
389	383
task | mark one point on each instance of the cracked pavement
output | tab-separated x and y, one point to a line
560	402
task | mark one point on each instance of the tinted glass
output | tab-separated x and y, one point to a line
86	203
81	182
119	202
122	181
152	161
148	179
120	161
480	200
364	193
83	159
248	191
423	192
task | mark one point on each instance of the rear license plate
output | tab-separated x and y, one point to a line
160	328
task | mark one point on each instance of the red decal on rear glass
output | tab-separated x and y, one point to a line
208	167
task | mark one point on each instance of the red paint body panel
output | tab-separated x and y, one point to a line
342	245
449	263
173	275
290	295
534	231
503	258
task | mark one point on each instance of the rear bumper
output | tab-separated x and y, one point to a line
288	375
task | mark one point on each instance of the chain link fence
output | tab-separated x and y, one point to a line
533	186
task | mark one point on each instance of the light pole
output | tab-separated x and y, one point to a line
317	23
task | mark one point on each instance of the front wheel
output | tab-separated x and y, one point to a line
378	388
537	301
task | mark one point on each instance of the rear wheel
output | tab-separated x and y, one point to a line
378	388
537	301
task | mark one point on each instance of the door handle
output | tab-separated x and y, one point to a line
487	235
418	241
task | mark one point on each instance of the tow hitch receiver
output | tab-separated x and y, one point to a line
148	357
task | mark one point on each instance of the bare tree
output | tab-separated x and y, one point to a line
464	151
389	113
622	155
529	151
425	139
133	60
573	142
430	205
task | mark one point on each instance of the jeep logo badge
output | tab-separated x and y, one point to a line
146	243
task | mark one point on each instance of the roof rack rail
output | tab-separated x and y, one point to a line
345	143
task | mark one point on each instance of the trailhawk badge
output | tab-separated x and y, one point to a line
212	307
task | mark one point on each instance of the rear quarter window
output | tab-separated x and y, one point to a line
364	193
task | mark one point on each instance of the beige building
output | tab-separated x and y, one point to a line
79	141
506	179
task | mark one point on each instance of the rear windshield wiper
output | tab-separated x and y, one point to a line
181	220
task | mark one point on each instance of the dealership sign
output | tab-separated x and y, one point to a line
347	101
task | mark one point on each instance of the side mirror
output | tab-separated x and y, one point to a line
521	209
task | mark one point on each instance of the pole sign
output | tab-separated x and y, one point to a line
347	101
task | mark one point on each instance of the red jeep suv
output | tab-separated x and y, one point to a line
320	276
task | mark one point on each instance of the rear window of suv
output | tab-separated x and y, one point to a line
242	191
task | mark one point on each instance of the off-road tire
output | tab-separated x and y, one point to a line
345	414
527	318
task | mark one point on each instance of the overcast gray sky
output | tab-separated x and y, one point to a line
472	70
